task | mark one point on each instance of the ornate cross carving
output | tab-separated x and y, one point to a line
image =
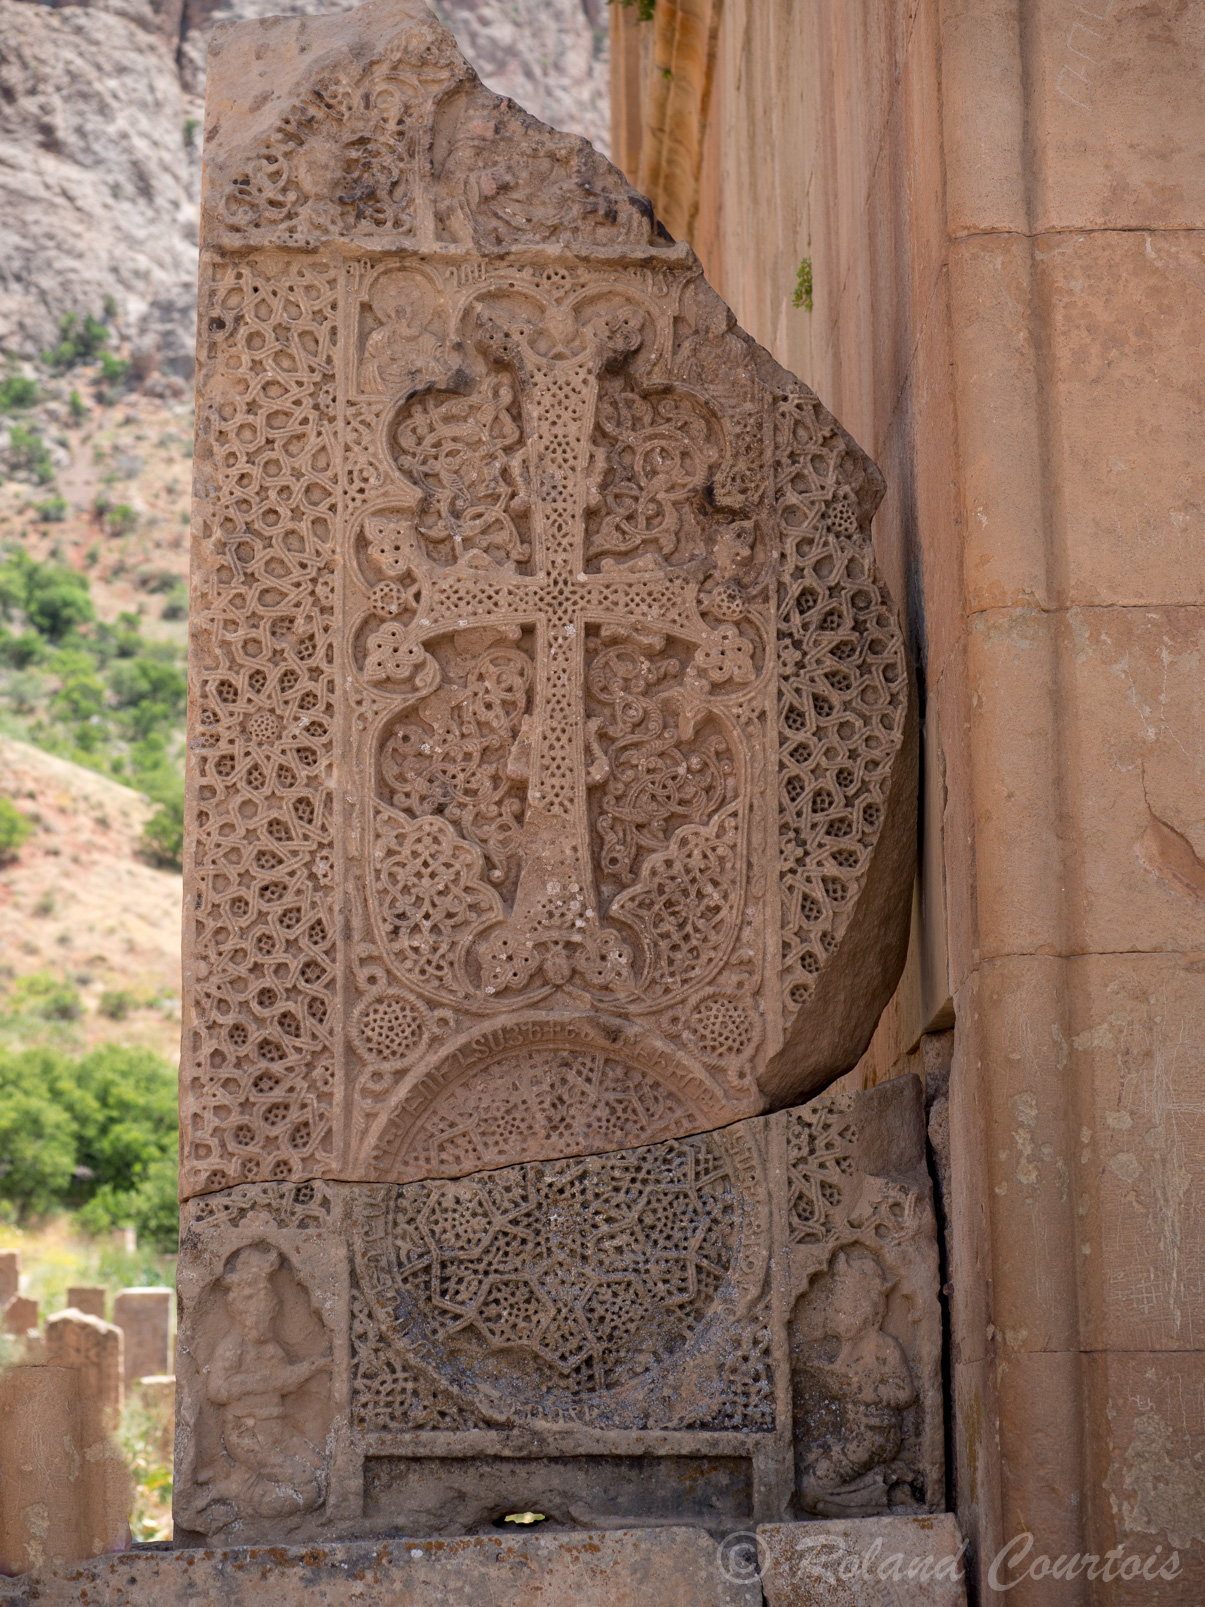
554	925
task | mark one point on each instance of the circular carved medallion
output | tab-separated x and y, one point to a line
538	1288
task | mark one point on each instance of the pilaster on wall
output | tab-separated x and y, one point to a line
1001	204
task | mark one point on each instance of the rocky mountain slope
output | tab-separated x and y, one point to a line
100	124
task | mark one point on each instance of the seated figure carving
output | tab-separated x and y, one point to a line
270	1469
862	1376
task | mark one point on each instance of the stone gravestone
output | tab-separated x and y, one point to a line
550	821
144	1316
88	1298
10	1275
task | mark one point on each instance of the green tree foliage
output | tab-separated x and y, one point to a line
78	342
97	1134
52	597
14	829
17	392
28	453
98	693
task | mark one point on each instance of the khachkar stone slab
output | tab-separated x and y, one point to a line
719	1330
551	774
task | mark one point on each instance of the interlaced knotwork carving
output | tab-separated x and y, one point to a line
432	897
497	748
260	1072
540	1290
843	692
531	571
652	781
461	453
455	759
820	1156
387	1396
345	158
653	456
686	906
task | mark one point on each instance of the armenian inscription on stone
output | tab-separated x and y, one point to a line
550	797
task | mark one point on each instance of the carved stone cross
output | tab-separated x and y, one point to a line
551	772
549	813
554	923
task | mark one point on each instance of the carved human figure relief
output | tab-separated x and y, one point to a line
267	1466
551	756
852	1385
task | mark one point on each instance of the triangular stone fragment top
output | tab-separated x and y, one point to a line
552	774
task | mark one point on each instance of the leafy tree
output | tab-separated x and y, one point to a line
43	994
150	694
98	1133
37	1145
52	597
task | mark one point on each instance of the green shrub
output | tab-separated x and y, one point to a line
163	835
116	1003
79	408
78	342
101	694
29	454
14	829
150	694
42	994
37	1147
803	286
114	373
57	599
17	392
120	519
53	511
176	604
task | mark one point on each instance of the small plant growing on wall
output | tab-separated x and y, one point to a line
803	286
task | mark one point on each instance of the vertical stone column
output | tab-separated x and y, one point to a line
93	1350
144	1317
1001	210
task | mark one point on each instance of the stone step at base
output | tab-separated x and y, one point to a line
864	1562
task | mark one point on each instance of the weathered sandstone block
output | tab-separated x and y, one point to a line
10	1275
94	1349
673	1567
20	1315
551	799
144	1317
863	1562
716	1330
88	1298
42	1517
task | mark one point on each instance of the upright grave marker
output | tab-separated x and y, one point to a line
550	808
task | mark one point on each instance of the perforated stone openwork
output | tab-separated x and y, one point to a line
542	669
550	1283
